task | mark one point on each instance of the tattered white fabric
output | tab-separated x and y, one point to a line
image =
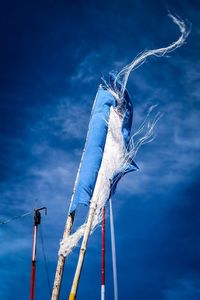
123	75
114	159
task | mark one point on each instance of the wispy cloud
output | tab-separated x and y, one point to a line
87	69
184	289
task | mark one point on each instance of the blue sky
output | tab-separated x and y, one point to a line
52	57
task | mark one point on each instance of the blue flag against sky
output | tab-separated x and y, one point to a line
95	143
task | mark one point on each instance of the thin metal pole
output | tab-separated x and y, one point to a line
114	263
37	221
103	255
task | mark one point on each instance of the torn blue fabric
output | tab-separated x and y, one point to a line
95	144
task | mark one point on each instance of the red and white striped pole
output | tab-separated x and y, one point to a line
103	256
37	220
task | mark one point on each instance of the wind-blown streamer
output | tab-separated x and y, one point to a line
123	75
114	161
110	152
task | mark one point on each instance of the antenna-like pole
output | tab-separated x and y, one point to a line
37	221
103	255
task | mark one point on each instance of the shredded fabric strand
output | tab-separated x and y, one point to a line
118	156
123	75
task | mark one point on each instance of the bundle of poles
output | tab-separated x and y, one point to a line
61	259
66	234
102	170
56	291
104	155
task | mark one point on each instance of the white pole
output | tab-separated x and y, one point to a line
102	292
114	263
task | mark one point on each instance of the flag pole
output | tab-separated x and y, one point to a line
91	214
61	260
37	221
67	230
68	226
83	248
103	255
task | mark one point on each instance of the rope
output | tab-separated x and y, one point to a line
114	264
45	259
16	217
